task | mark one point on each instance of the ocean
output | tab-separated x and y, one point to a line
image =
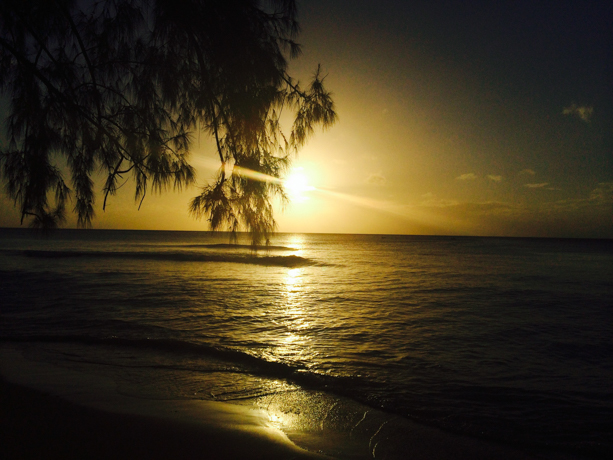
508	340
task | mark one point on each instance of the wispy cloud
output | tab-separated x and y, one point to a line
494	178
431	200
583	112
586	215
376	179
541	185
603	193
467	211
600	197
468	176
527	172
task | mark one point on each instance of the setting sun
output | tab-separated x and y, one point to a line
297	184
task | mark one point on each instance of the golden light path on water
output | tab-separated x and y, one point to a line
296	320
294	311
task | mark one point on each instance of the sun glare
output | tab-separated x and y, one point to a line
297	184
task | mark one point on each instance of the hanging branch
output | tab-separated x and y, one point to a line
120	86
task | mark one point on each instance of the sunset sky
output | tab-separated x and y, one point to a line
455	118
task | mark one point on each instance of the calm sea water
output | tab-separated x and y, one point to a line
500	338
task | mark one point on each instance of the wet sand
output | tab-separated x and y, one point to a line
51	412
37	425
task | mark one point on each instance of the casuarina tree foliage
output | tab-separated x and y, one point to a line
119	86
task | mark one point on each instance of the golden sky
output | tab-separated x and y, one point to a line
454	119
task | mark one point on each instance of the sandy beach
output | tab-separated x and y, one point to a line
38	425
49	412
53	412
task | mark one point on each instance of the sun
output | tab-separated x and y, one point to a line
297	185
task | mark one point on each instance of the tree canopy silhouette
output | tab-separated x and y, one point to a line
118	86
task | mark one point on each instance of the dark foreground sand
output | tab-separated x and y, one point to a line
40	426
50	412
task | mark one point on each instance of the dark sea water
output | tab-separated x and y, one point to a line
504	339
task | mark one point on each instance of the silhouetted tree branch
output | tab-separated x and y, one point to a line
118	86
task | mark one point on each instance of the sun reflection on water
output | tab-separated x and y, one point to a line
293	280
296	242
294	298
294	340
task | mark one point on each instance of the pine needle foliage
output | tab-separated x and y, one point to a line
118	87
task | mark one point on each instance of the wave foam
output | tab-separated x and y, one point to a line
290	261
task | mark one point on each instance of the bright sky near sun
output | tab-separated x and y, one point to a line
468	118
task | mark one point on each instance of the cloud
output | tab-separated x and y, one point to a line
468	210
600	198
468	176
603	193
588	215
377	179
432	201
527	172
583	112
541	185
494	178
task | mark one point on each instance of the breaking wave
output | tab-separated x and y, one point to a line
290	261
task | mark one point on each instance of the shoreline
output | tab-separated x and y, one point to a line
50	412
39	425
54	412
